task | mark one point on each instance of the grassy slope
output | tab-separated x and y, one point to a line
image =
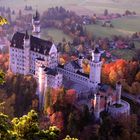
81	6
55	33
123	26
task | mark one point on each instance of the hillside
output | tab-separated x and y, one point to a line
80	6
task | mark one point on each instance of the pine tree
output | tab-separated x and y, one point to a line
48	100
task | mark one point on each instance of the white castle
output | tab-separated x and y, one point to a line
29	54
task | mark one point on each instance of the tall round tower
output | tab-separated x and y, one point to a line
26	53
36	24
97	105
41	81
80	62
118	92
95	68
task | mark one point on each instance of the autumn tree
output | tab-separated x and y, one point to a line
69	138
71	127
25	127
2	77
48	100
23	95
4	128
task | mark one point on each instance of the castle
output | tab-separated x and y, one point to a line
29	54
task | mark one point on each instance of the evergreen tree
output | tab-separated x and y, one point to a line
48	100
86	115
71	127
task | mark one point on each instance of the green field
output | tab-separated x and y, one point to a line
125	26
80	6
56	34
127	54
122	26
124	54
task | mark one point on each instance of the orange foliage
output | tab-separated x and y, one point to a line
73	58
86	68
70	96
50	111
4	61
35	103
64	59
114	71
57	120
137	78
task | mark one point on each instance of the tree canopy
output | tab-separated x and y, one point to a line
25	128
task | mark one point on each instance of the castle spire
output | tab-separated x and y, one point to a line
36	24
96	55
95	68
26	35
37	16
118	92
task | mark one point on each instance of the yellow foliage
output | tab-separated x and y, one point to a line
137	78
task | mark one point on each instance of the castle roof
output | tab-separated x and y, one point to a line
26	35
119	83
75	64
83	74
80	57
40	45
40	59
50	71
18	40
96	50
36	44
36	16
104	87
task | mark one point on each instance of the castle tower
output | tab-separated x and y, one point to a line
97	105
36	24
80	62
53	57
118	92
95	68
41	81
26	53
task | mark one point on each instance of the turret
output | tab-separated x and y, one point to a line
95	68
41	80
80	62
26	53
118	92
36	24
97	105
26	40
96	55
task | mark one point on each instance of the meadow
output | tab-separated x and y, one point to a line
123	26
56	34
80	6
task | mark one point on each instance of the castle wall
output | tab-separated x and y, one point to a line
17	60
